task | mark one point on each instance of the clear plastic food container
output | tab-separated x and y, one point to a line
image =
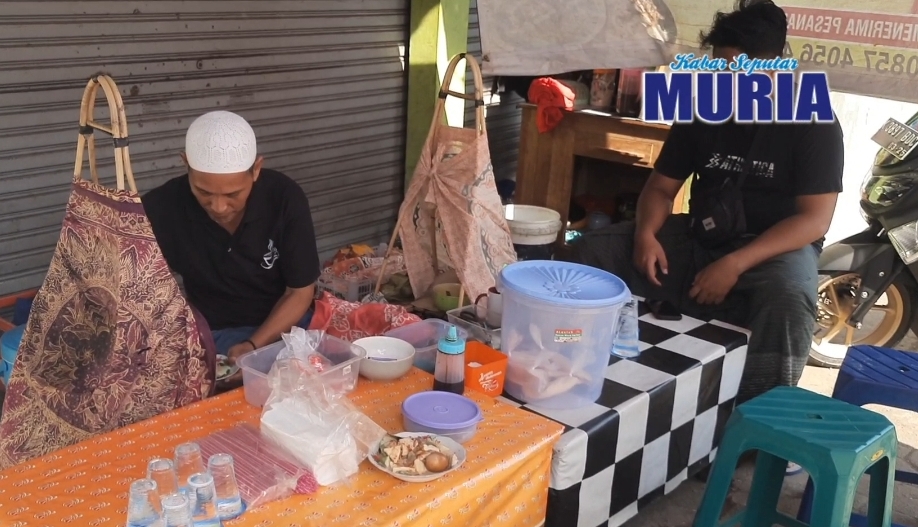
342	377
476	330
442	413
424	336
557	331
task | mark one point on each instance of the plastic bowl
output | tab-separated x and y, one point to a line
446	296
442	414
387	358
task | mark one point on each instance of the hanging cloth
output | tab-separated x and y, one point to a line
452	215
110	340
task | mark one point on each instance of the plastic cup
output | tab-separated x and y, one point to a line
188	462
176	511
143	510
203	500
229	501
162	472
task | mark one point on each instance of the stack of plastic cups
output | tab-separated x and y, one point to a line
188	462
143	509
177	511
229	501
163	473
203	499
625	343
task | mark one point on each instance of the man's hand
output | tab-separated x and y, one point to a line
715	281
239	350
648	256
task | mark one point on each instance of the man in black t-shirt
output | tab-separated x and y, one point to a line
240	236
765	281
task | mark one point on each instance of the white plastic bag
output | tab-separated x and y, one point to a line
320	428
304	345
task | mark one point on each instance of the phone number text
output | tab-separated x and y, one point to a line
842	57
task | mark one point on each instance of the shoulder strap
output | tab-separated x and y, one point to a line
754	148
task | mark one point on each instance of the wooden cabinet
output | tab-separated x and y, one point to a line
545	173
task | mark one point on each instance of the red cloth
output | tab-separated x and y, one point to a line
351	321
553	98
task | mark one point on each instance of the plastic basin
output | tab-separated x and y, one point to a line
341	378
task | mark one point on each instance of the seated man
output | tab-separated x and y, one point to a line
241	237
766	280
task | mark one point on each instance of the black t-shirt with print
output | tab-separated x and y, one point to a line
792	159
235	280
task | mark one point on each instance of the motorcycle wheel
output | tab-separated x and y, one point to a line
884	325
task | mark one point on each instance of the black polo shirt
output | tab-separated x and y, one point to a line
235	280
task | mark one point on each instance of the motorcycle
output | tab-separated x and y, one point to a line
869	281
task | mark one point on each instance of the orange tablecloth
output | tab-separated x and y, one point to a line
503	482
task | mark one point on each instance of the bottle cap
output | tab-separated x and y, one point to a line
451	344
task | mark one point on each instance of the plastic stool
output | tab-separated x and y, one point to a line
9	348
834	441
872	375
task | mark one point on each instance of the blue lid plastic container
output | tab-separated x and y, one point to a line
564	284
556	328
442	413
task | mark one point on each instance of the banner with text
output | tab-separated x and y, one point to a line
869	48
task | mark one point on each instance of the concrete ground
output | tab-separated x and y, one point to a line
678	508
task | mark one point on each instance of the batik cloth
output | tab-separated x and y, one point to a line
110	340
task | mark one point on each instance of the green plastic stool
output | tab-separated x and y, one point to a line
835	442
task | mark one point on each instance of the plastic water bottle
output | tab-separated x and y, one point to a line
625	341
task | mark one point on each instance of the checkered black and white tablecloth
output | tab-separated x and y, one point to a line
657	422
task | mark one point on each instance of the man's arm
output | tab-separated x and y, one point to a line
655	203
299	264
287	312
809	224
674	165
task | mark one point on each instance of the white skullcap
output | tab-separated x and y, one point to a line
220	143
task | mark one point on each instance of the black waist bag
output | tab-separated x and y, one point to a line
717	215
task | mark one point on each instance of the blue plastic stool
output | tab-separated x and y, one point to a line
834	441
9	348
872	375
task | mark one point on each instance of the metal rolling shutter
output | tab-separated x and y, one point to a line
321	81
502	114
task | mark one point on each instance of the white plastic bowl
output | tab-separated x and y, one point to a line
387	358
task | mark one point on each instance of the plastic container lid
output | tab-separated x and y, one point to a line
10	341
565	284
441	410
451	344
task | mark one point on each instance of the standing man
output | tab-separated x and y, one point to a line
765	279
240	236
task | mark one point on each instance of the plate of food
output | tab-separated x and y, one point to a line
417	457
225	369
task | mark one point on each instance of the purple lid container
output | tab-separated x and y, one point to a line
441	410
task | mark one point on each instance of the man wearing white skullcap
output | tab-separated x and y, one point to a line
241	237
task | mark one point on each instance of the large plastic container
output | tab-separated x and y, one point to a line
341	378
533	230
557	331
9	348
424	336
